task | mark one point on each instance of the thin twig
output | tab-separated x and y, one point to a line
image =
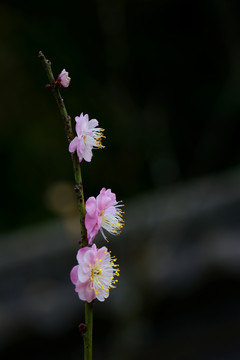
70	135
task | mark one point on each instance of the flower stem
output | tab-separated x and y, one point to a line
87	336
70	135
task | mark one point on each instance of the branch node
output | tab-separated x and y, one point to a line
40	55
82	328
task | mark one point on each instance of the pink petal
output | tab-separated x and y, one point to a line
112	196
90	222
80	286
81	124
103	201
87	153
90	257
82	145
82	276
94	248
86	118
79	154
73	144
81	253
86	269
111	210
100	297
74	275
85	292
92	225
101	252
106	194
92	123
91	206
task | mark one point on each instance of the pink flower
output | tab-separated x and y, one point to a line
94	274
88	137
103	213
63	78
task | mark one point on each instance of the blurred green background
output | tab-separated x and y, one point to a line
162	78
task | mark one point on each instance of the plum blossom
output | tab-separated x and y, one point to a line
88	137
93	277
63	79
103	212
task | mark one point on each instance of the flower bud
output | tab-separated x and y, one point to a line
63	79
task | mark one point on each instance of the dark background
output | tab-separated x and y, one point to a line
163	79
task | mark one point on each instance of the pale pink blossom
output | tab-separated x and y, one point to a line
88	137
103	212
93	277
63	78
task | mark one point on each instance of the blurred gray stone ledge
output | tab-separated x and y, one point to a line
183	202
149	212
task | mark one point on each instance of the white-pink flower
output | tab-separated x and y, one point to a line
103	212
63	78
88	137
93	277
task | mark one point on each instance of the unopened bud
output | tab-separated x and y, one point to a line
63	79
82	328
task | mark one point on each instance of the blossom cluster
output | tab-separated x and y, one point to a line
96	271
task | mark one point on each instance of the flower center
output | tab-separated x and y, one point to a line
95	272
